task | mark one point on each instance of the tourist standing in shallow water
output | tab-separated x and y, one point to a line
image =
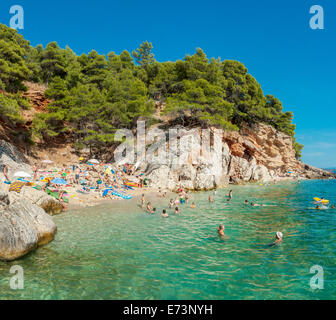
220	231
171	204
164	214
143	201
149	207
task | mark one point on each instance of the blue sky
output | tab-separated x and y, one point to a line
272	38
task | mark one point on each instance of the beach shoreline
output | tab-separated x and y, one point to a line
151	194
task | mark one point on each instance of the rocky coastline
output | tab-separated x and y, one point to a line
255	154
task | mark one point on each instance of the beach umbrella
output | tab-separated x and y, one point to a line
22	174
95	161
58	181
47	161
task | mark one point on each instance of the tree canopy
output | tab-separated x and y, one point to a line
93	95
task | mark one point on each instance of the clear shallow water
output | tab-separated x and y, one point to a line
100	253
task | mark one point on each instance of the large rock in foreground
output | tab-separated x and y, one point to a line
23	227
49	204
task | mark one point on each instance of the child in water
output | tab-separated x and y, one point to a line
176	210
193	205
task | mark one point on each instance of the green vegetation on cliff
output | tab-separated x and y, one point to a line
93	95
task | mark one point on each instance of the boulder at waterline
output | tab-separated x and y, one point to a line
23	227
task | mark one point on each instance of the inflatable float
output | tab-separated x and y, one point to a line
323	201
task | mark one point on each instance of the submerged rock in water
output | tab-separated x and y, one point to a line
23	227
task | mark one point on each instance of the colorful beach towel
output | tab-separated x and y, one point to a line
16	186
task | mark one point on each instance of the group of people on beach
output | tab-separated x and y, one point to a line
101	180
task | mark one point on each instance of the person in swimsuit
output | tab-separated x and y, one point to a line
230	194
278	237
176	210
164	214
149	207
60	199
186	197
143	201
211	199
193	205
220	231
35	172
171	204
5	172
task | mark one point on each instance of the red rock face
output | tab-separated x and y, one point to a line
268	146
237	149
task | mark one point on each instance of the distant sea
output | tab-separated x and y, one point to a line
121	252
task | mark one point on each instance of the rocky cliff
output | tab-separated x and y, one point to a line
23	227
24	219
258	153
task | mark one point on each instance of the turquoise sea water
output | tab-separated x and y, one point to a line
124	253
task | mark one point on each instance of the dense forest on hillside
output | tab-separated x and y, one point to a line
93	95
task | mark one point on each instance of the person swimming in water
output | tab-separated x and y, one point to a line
153	211
176	210
164	214
333	207
246	202
149	207
230	194
171	204
220	231
193	205
278	237
211	198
